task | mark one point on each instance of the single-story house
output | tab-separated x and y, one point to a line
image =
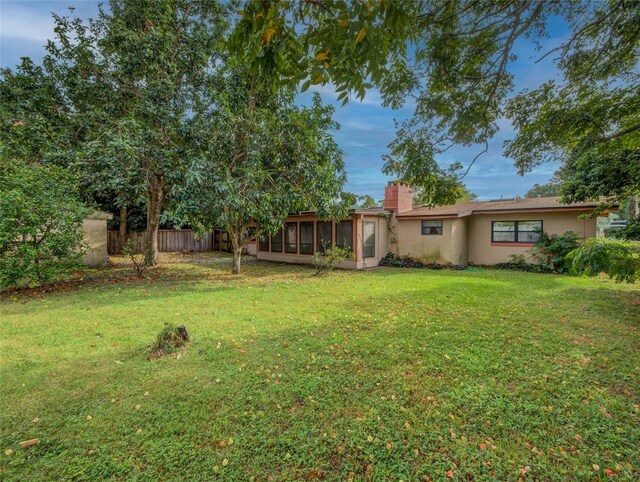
484	232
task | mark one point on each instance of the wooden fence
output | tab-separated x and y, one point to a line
168	240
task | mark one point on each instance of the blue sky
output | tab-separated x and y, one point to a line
366	127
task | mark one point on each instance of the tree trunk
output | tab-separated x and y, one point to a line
154	209
236	242
122	230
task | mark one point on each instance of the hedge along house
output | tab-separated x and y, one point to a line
485	232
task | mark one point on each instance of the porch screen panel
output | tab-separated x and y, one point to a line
344	235
276	242
324	236
369	239
291	238
264	243
306	238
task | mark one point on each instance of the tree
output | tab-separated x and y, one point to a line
458	73
256	158
364	201
423	197
41	211
134	75
550	189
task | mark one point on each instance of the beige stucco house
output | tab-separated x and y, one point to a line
485	232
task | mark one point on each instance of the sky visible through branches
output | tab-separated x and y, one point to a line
367	127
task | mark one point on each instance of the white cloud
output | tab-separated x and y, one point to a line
19	22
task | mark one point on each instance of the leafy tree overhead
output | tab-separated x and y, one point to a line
458	73
257	157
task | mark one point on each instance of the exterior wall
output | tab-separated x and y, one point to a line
251	248
95	235
450	247
459	241
483	251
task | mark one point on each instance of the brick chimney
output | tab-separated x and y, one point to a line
398	197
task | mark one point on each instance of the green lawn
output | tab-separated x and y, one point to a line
384	375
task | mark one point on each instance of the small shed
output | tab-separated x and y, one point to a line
95	235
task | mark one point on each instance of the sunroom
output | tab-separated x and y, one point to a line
364	232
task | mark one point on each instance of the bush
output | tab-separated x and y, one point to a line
330	259
137	259
393	260
550	251
620	260
517	262
41	219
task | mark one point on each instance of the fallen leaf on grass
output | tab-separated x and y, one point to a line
450	474
8	452
609	472
89	417
596	467
29	443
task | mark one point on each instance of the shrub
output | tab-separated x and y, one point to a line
550	251
330	259
620	260
631	232
517	262
168	340
41	219
136	258
396	261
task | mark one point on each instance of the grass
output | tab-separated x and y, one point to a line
394	374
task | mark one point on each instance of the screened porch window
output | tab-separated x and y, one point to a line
276	242
344	235
324	229
291	238
369	239
306	238
515	231
264	243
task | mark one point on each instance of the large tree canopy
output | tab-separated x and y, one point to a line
134	76
257	157
453	59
